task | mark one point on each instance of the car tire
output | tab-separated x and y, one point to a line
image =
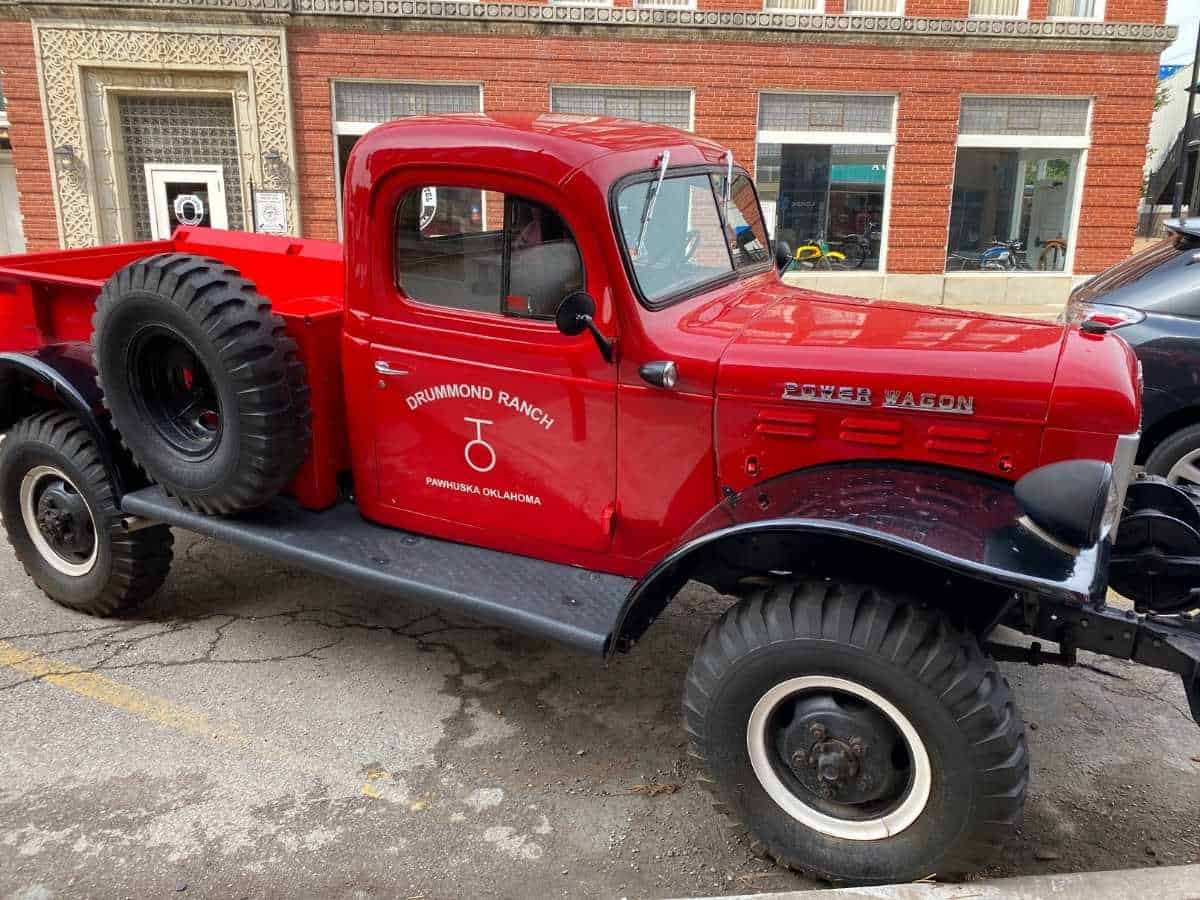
63	522
1174	454
203	386
919	766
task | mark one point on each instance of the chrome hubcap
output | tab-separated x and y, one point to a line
1187	470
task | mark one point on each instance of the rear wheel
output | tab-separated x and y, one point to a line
62	519
203	385
857	736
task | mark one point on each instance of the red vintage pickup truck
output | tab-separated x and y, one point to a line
553	376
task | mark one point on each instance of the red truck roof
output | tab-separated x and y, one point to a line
527	144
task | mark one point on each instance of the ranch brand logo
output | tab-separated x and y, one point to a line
478	452
849	395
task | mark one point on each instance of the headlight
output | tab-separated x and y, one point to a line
1069	501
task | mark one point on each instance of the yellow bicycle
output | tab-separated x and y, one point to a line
815	254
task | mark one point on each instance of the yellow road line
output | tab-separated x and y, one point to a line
128	699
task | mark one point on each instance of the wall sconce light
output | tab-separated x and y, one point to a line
65	158
275	167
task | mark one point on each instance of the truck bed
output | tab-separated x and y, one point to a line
48	299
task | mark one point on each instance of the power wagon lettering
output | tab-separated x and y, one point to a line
479	392
848	395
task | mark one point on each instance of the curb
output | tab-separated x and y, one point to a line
1161	883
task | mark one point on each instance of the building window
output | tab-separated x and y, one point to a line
581	2
665	4
878	7
1076	9
822	174
1017	179
998	9
358	106
794	5
662	107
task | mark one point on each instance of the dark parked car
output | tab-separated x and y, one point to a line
1153	300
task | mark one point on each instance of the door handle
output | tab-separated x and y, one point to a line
384	368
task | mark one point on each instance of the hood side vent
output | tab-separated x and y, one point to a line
874	432
775	423
958	440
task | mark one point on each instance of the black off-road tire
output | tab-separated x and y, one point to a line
178	306
934	674
128	566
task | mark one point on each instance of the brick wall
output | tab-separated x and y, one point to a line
516	72
18	77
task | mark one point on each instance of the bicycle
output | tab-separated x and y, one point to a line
815	254
857	247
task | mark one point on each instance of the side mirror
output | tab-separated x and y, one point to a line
575	313
783	255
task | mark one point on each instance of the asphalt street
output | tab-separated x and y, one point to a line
262	732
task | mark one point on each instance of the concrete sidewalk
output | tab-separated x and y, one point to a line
1161	883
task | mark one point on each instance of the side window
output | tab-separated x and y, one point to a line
464	248
450	247
544	264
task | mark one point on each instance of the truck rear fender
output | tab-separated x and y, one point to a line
61	376
949	537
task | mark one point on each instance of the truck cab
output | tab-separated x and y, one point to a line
554	375
475	418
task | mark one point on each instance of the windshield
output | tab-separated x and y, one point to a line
683	242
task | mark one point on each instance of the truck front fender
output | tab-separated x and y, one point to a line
59	375
949	536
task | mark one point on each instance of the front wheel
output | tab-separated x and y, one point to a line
61	515
1177	458
857	736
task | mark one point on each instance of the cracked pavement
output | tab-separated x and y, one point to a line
258	731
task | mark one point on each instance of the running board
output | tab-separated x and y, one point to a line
564	603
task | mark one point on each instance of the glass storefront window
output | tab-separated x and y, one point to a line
826	194
1012	210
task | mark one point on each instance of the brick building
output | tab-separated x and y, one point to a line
917	130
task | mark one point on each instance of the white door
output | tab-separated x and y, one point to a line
12	236
184	195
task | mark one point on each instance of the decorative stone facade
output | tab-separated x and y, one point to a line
79	63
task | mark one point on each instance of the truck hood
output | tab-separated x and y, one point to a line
839	352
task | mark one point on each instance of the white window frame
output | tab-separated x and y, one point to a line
1081	143
817	10
657	88
349	127
874	138
1097	16
1022	13
898	11
581	2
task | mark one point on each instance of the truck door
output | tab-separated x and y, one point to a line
491	420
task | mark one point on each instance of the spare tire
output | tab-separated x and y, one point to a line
203	386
